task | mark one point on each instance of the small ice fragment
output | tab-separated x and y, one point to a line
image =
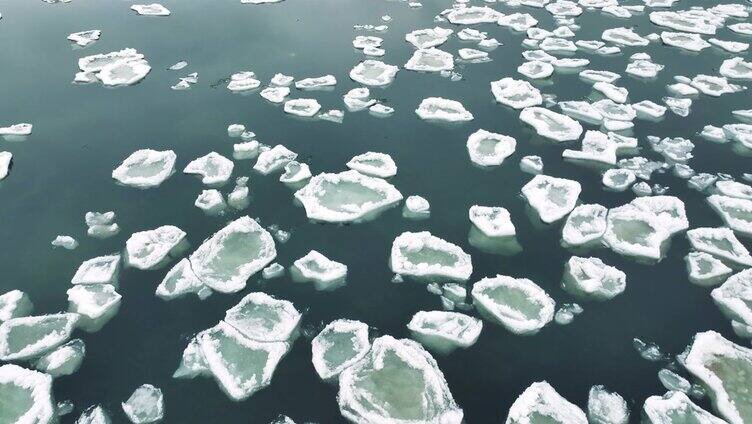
536	69
302	107
210	201
541	403
27	396
374	164
154	9
295	173
94	415
5	159
66	242
99	270
84	38
245	150
618	179
444	332
550	124
316	83
531	164
145	168
323	272
706	270
65	360
272	271
492	221
24	338
178	66
149	249
95	303
340	345
606	407
15	304
552	198
243	81
566	313
146	405
281	80
416	207
275	94
518	304
648	350
234	130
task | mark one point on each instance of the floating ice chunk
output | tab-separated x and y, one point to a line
624	37
274	159
557	45
123	72
682	22
366	389
240	365
325	273
492	221
14	304
181	280
373	164
145	168
473	55
567	64
518	21
346	197
302	107
489	149
644	69
154	9
735	212
683	40
741	28
275	94
84	38
272	271
27	396
668	209
596	147
676	407
716	86
617	94
550	124
245	150
97	62
734	298
210	201
729	46
178	66
429	37
445	110
632	231
65	360
590	278
380	110
232	255
566	313
673	381
536	69
611	110
363	42
235	130
66	242
531	164
734	189
705	270
316	83
618	179
243	81
606	407
149	249
373	73
581	110
295	173
263	318
736	68
741	133
146	405
472	15
516	94
430	60
720	242
214	168
518	304
416	207
99	270
443	331
425	256
94	415
26	337
541	403
552	198
585	225
340	345
592	76
95	303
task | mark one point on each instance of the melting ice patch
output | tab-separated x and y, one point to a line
443	331
373	73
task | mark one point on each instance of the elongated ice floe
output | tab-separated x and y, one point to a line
27	396
145	168
518	304
550	124
346	197
684	40
736	68
425	256
430	60
26	337
676	407
443	331
517	94
373	73
213	168
149	249
606	407
720	242
153	9
552	198
735	212
5	159
96	304
84	38
302	107
541	403
243	81
597	147
472	15
734	298
725	369
366	388
590	278
374	164
226	260
340	345
65	360
489	149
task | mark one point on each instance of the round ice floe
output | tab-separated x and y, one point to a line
416	207
214	168
374	164
366	389
425	256
148	249
518	304
635	232
302	107
618	179
340	345
517	94
489	149
27	396
430	60
445	110
429	37
590	278
373	73
443	331
550	124
123	72
145	168
492	221
541	403
263	318
228	258
346	197
585	225
553	198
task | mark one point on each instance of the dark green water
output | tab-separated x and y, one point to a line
82	132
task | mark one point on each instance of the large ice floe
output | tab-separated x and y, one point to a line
635	232
340	345
14	304
65	360
705	269
424	256
590	278
348	196
27	337
442	110
429	37
95	304
213	168
430	60
367	389
118	68
489	149
145	168
518	304
725	369
541	403
26	396
551	125
99	270
150	249
373	73
552	198
443	331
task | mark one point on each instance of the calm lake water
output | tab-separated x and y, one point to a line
82	132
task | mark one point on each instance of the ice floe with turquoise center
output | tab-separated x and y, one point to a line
591	279
430	60
606	407
348	196
426	257
631	231
340	345
552	198
150	249
429	37
489	149
705	269
720	242
735	212
145	168
518	304
366	389
27	396
517	94
443	331
145	405
550	124
373	73
585	225
734	298
26	337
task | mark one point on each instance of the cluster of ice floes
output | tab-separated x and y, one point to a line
118	68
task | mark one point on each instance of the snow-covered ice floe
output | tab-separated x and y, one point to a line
735	212
518	304
720	242
340	345
145	405
705	269
590	278
14	304
145	168
552	198
153	9
99	270
96	304
302	107
550	124
584	226
606	407
24	338
373	73
442	110
424	256
27	396
734	298
213	168
150	249
517	94
676	407
541	403
118	68
443	331
489	149
323	272
374	164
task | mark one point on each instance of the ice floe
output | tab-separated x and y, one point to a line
550	124
590	278
443	331
153	9
145	405
274	159
15	304
302	107
676	407
489	149
517	94
340	345
425	256
27	396
146	168
373	73
213	168
720	242
541	402
585	225
323	272
552	198
706	270
27	337
430	60
374	164
518	304
606	407
96	304
99	270
149	249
